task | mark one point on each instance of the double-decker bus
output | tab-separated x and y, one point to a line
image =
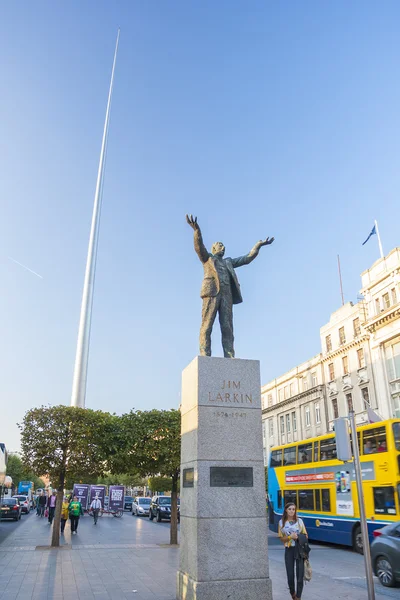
309	474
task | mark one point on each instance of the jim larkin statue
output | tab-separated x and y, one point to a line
220	289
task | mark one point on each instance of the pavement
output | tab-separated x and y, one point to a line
129	558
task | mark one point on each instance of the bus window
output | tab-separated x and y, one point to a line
396	433
384	501
306	499
318	500
374	440
316	446
359	442
279	498
328	449
290	496
305	453
326	501
276	458
289	456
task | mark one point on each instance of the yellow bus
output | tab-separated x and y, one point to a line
324	488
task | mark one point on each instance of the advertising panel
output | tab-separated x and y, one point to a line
97	490
81	490
116	497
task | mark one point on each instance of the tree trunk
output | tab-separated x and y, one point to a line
55	536
173	537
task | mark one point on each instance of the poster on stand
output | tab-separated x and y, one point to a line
97	490
81	490
116	497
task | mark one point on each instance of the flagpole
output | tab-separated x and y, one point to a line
340	279
82	348
379	238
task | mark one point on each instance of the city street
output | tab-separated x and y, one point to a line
130	558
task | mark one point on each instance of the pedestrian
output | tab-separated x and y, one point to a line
51	505
95	507
75	511
64	513
37	505
290	527
42	503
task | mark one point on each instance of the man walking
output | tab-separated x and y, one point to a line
51	505
42	504
95	507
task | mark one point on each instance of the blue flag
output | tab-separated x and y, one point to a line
373	232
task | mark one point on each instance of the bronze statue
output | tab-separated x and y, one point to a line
220	288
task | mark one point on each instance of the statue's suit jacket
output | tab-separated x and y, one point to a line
211	284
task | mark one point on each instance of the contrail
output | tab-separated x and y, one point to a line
25	267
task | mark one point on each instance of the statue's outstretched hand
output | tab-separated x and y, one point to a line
266	242
192	221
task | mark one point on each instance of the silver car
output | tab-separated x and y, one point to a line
141	506
385	554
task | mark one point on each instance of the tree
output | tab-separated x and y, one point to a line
152	446
18	472
65	443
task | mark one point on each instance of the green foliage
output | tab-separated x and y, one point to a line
129	480
160	484
18	472
151	443
67	444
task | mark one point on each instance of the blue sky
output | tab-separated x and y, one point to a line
260	118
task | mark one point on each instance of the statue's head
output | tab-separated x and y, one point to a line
218	249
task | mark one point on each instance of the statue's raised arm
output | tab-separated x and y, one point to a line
199	246
245	260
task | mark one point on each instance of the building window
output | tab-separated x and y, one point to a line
356	326
305	384
394	296
271	427
287	423
345	362
314	379
294	421
377	306
328	341
317	414
393	361
386	301
292	389
365	397
269	399
361	358
349	399
280	395
307	412
286	391
342	336
335	408
282	424
331	372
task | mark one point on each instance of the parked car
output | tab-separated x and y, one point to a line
160	508
128	503
10	508
385	554
24	502
141	506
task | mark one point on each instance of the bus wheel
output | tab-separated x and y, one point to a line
357	540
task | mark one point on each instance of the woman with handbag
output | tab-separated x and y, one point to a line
290	527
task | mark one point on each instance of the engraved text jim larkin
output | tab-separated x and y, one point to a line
232	396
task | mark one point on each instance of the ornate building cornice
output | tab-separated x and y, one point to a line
390	314
358	341
316	391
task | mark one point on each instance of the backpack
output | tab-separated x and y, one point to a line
307	570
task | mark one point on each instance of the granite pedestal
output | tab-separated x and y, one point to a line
223	543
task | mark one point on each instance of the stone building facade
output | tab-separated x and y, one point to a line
358	367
